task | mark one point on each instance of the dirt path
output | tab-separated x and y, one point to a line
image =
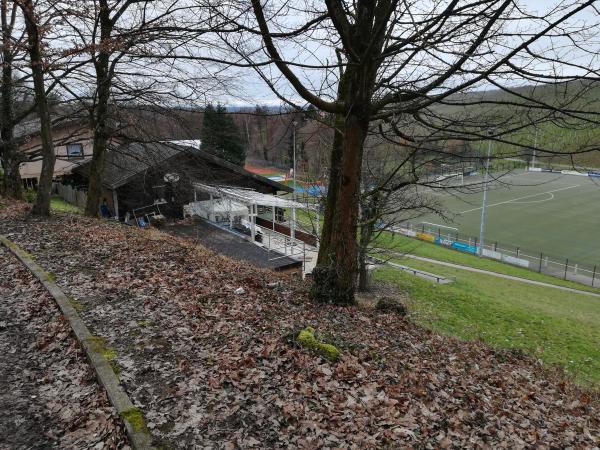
48	395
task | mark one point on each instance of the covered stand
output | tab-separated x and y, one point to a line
229	196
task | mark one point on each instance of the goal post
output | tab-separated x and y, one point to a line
450	180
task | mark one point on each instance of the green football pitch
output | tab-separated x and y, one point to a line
552	213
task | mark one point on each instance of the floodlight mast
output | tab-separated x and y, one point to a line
294	123
486	177
293	224
534	148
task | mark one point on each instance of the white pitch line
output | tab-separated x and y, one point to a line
535	201
521	198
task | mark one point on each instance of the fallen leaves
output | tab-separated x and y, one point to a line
212	368
49	397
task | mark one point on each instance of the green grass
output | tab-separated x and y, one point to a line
58	204
403	244
557	327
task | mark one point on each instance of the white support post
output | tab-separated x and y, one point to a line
273	221
115	204
230	215
212	208
293	227
195	195
252	222
318	234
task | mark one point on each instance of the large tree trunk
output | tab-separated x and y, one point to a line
11	157
98	121
334	277
42	203
99	115
12	185
94	194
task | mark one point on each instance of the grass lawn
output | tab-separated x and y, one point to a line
411	246
556	326
58	204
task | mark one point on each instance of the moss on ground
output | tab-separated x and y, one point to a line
50	276
307	339
77	305
135	418
98	345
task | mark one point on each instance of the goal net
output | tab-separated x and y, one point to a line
449	180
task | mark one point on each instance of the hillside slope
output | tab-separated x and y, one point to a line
212	367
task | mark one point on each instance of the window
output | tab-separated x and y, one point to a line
74	150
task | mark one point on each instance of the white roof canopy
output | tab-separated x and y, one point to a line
222	206
248	196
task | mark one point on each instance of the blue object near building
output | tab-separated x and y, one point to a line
313	190
464	247
444	242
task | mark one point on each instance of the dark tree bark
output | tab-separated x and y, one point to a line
9	150
99	114
335	273
42	202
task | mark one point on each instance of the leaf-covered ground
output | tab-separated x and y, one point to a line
49	397
212	368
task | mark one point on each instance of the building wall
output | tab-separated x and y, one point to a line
61	137
145	188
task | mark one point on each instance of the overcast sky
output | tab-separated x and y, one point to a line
252	90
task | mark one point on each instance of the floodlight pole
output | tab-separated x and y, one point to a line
294	123
534	148
485	189
293	227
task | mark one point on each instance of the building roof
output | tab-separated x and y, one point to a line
123	163
248	196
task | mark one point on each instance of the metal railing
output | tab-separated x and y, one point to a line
537	261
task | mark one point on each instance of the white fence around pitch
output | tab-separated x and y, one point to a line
534	261
70	194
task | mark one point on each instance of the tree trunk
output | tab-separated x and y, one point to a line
42	202
12	185
9	150
99	115
334	277
94	194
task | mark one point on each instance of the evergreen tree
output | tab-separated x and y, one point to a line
221	136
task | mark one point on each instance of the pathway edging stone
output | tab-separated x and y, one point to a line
139	436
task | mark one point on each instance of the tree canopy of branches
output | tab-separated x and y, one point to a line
221	136
416	72
119	57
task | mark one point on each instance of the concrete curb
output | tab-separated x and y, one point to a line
139	436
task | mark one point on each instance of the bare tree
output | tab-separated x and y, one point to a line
36	57
401	62
121	61
11	182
